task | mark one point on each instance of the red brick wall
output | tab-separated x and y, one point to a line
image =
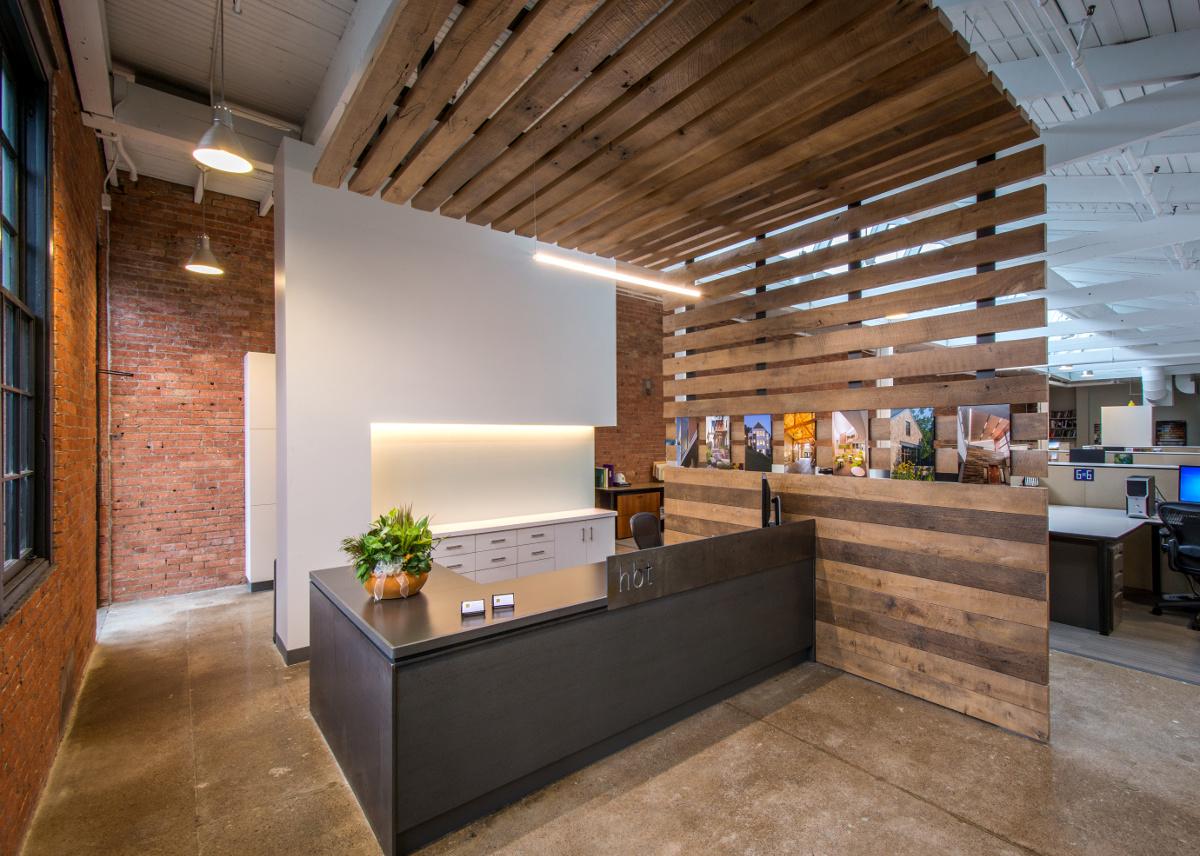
176	432
637	440
46	642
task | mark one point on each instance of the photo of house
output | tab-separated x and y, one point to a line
910	436
800	442
758	443
850	443
984	444
716	435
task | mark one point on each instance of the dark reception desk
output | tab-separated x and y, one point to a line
437	719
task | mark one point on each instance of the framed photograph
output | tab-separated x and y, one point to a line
850	443
716	438
911	436
984	443
687	441
800	442
1170	432
759	455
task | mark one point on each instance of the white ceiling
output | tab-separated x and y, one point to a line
1128	215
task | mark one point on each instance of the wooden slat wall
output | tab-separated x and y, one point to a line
936	590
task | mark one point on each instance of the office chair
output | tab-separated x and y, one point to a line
646	532
1181	543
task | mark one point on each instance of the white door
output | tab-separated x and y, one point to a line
601	539
571	544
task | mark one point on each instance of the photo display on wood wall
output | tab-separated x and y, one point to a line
717	442
800	442
759	443
911	434
688	439
984	444
849	438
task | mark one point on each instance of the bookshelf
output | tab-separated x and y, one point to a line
1062	425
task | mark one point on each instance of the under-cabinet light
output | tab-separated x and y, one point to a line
606	273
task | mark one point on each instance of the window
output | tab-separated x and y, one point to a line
24	339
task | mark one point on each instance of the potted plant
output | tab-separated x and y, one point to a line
392	558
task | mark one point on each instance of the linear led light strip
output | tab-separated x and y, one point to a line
606	273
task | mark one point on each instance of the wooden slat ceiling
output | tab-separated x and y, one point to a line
652	131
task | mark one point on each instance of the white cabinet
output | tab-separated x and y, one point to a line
571	544
522	547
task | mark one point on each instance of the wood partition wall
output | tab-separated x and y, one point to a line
937	589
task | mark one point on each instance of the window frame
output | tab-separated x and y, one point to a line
23	56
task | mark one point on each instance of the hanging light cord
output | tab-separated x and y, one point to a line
216	67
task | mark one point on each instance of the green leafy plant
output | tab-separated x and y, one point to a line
396	538
909	471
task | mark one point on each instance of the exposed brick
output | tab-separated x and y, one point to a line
176	429
637	440
45	643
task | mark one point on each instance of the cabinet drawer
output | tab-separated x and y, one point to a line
455	546
496	540
535	552
459	564
495	575
540	535
486	559
528	569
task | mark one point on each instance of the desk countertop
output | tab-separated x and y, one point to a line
1106	523
432	620
642	487
497	524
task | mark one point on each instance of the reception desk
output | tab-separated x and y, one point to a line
437	719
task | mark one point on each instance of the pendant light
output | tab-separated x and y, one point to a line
203	260
220	147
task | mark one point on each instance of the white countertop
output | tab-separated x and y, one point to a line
1110	523
496	524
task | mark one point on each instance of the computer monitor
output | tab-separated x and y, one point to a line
1086	456
1189	484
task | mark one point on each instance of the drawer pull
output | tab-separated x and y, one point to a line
500	558
538	535
539	552
454	547
452	567
499	540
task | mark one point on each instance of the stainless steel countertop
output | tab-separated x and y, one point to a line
431	620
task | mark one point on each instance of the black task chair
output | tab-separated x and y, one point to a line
1181	543
646	532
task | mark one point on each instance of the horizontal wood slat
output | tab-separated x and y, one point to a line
1025	164
998	390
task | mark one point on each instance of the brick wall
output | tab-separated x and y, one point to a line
46	642
176	431
637	440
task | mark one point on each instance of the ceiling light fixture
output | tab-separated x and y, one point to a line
203	260
219	148
896	316
607	273
1088	373
1065	368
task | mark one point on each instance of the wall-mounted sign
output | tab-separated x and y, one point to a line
1085	474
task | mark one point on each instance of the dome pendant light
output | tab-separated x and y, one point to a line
220	147
203	259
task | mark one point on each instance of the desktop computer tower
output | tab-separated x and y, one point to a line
1140	496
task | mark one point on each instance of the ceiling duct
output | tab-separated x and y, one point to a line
1156	388
1186	384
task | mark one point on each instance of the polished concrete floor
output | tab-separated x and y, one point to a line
1160	644
190	737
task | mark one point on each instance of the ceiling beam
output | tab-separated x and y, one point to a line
1169	188
1136	288
1127	238
1131	321
358	44
1159	59
1127	124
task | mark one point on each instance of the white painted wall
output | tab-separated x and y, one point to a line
1127	426
258	398
388	314
461	473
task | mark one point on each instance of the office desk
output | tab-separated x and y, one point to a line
628	500
1088	556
